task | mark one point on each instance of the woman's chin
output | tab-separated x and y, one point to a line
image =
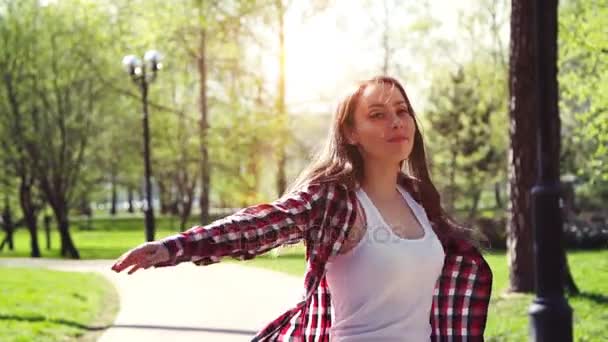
402	150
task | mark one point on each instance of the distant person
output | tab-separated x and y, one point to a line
384	261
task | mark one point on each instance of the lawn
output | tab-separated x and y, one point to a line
508	320
45	305
92	244
101	238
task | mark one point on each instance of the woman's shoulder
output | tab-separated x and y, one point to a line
331	189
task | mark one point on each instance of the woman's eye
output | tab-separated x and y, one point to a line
403	112
377	114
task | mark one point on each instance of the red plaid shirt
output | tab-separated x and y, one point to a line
322	216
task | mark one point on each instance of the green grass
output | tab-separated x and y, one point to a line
45	305
508	319
91	244
105	238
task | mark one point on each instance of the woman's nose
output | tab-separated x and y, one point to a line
397	121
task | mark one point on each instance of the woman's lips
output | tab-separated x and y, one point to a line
397	139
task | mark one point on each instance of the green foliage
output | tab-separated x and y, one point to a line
74	49
63	60
239	107
465	139
583	79
53	100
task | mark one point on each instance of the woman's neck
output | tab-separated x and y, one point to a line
380	180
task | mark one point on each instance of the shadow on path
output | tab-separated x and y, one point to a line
124	326
54	321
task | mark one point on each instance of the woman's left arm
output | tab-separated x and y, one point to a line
249	232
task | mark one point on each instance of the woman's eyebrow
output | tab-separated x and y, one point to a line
381	105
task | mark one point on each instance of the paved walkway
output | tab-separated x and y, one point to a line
223	302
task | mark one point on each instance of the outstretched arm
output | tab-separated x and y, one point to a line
249	232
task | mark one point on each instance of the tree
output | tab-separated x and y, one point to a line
54	99
467	104
522	147
208	102
464	153
280	104
583	79
7	223
16	130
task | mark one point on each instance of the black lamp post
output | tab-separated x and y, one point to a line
143	74
550	314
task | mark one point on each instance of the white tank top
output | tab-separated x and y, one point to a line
382	289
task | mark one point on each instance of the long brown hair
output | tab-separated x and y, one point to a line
341	162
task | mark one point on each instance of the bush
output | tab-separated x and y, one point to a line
578	234
586	235
494	231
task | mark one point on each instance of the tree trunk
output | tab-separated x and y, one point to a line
186	205
32	225
452	193
47	231
30	216
184	215
474	205
68	249
114	196
164	198
9	228
253	170
142	197
281	112
497	196
130	199
201	63
522	152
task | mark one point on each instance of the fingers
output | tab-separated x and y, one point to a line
143	256
123	262
144	264
134	269
129	258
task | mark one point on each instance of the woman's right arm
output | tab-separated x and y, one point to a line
249	232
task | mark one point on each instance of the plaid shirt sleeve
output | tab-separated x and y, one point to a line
462	296
249	232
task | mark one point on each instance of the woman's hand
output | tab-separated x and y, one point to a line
143	256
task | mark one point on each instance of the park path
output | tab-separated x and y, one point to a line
223	302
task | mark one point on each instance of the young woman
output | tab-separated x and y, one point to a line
384	260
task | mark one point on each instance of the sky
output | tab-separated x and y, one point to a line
328	52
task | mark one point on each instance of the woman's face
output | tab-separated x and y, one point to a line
383	126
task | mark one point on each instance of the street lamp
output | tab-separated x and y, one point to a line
143	74
550	314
